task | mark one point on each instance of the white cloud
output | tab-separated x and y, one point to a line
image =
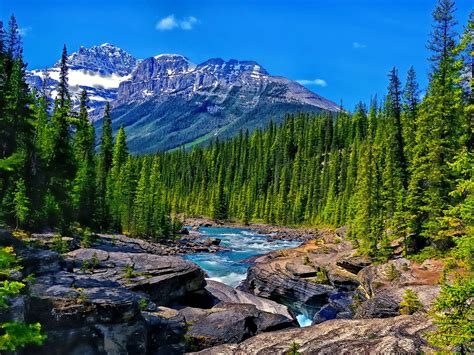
317	82
358	45
188	23
167	23
171	22
23	31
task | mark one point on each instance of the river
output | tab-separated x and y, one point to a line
229	267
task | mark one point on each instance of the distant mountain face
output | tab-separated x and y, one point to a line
166	101
99	70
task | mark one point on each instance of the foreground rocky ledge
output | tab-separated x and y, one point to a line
398	335
124	296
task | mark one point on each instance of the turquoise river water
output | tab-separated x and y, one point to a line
229	267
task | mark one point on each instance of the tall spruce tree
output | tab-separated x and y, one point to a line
411	103
438	128
84	182
104	165
114	193
61	165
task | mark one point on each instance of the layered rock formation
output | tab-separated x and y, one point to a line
125	296
325	279
399	335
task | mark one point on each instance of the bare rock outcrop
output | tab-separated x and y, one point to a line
399	335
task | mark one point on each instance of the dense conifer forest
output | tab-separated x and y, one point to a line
400	168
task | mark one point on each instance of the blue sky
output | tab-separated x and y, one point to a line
341	49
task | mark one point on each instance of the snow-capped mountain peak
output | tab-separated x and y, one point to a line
98	69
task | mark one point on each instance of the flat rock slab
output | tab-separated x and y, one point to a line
397	335
162	278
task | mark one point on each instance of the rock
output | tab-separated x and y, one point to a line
122	243
165	279
33	260
86	315
385	285
399	335
227	294
211	241
327	312
183	231
354	264
339	306
270	280
301	270
39	262
166	330
228	323
302	278
383	305
8	240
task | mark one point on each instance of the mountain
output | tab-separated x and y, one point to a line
99	70
167	101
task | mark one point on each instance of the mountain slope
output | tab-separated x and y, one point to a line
168	101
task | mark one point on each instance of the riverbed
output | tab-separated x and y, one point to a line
230	267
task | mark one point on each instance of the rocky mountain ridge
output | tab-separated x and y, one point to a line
166	101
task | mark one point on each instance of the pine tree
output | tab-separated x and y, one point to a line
60	162
113	194
219	210
84	182
104	165
410	112
21	203
63	97
438	129
141	212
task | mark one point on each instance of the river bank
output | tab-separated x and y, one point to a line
274	232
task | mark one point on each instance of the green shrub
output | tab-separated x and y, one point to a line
391	272
142	304
410	303
129	271
306	260
14	335
95	261
294	347
60	245
453	314
322	276
86	266
87	238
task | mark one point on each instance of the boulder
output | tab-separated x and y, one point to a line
302	278
399	335
166	330
85	315
384	286
164	279
354	264
270	280
227	294
339	307
211	241
228	323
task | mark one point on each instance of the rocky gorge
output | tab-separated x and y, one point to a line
121	295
